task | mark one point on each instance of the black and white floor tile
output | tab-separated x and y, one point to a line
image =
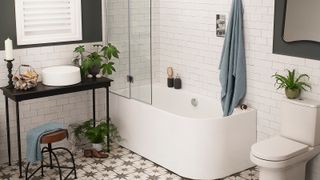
121	165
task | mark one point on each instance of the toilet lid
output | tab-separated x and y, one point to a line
278	149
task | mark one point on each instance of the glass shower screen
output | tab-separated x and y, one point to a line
129	28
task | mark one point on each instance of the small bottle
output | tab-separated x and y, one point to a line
177	82
170	79
170	82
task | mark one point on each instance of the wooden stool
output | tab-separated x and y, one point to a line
50	138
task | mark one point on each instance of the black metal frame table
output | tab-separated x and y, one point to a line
46	91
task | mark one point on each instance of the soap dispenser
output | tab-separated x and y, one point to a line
170	79
177	82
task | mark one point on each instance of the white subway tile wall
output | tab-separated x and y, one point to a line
188	42
130	23
118	34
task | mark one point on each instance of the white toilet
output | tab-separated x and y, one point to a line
285	157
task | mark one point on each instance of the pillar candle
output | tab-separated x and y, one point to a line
8	49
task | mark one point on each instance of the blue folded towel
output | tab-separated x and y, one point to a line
33	140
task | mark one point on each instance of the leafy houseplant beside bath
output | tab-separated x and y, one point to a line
97	135
101	59
292	84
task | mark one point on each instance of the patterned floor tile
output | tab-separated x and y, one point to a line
138	176
121	176
156	171
107	175
131	157
113	162
124	169
249	174
106	168
143	164
80	173
120	151
121	165
170	177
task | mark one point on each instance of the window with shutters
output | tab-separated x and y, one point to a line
48	21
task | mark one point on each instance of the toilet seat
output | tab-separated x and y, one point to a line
278	149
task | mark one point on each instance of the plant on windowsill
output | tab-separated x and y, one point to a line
292	84
94	62
97	135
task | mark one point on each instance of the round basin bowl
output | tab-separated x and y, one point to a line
61	76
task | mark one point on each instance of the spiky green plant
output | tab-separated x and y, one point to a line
291	81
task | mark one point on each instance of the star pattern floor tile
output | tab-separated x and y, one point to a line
121	165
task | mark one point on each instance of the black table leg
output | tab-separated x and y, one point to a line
19	138
108	118
94	106
8	130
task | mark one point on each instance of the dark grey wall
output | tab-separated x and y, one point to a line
91	23
306	49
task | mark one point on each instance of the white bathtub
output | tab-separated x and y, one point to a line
194	142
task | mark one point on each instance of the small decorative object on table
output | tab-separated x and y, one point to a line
9	59
292	84
170	77
25	78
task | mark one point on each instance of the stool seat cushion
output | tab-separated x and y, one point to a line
55	136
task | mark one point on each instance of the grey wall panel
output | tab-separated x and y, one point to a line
91	23
305	49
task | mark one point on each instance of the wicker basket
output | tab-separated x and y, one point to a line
25	78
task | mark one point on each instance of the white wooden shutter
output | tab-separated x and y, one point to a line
48	21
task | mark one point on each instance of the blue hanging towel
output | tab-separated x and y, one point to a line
233	61
33	140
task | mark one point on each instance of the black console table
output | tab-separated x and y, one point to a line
46	91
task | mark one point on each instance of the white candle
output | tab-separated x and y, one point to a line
8	49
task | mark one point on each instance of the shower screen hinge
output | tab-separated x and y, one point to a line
129	78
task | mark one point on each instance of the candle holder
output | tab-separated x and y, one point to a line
10	76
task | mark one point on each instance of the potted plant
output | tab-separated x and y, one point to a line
100	59
292	84
97	135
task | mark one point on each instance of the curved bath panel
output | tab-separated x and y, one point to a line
201	145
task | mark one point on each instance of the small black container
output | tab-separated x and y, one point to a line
177	83
170	82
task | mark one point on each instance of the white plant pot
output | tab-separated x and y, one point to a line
97	147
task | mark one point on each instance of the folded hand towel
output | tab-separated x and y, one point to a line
33	140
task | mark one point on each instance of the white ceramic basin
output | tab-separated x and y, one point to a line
61	75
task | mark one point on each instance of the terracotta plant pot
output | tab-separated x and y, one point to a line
292	93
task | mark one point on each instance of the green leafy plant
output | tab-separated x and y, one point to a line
97	134
291	81
101	58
